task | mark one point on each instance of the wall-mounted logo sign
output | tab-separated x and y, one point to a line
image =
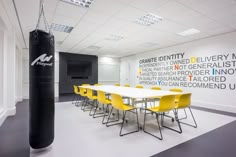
42	60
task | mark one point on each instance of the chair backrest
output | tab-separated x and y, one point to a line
117	101
82	91
97	84
85	84
156	88
138	86
117	84
76	89
127	85
184	100
90	93
167	103
176	90
101	97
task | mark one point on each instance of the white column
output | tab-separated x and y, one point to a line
18	76
1	70
5	77
10	73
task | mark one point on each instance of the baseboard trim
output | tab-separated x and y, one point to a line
214	106
25	97
19	99
11	111
3	116
5	113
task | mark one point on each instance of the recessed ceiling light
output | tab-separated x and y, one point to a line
61	28
148	44
82	3
149	19
114	38
189	32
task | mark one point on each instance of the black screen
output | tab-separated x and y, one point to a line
81	68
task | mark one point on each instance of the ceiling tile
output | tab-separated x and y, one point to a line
60	19
130	14
111	26
169	26
129	29
107	7
50	5
59	36
96	17
106	18
70	10
173	10
148	5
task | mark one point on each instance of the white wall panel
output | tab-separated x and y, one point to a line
108	70
221	99
1	71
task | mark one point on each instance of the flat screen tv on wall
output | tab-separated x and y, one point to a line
79	69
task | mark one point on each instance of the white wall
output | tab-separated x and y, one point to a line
108	62
7	67
7	75
128	71
220	99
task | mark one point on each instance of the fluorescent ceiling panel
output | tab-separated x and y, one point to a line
82	3
61	28
149	19
189	32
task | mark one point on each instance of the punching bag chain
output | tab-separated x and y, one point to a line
42	14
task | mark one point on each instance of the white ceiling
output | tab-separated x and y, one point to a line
92	26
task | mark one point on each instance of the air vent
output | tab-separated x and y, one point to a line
61	28
149	19
82	3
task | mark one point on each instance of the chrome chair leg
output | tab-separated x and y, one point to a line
73	99
157	117
112	121
124	122
100	114
78	100
195	123
185	116
105	112
177	120
87	103
92	106
84	103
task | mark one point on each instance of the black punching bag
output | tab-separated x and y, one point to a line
41	90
